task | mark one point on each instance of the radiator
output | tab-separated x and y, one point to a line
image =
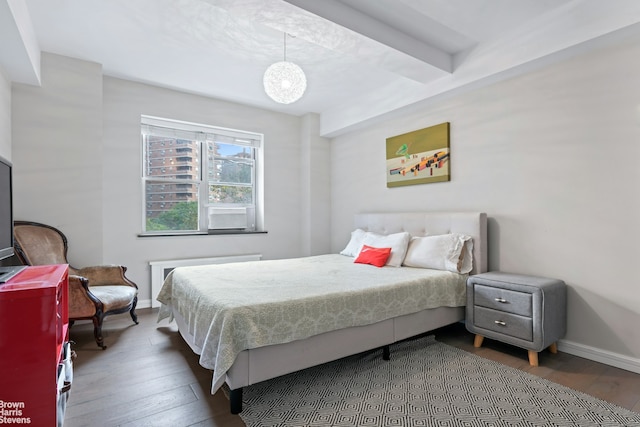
160	269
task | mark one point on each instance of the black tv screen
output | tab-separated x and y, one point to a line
6	210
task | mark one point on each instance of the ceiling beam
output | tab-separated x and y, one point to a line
347	17
20	53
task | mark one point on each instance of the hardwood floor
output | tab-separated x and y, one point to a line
148	376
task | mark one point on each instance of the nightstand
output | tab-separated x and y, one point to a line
525	311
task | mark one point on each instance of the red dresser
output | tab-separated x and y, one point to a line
35	354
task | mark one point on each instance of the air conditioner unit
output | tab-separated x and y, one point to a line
228	218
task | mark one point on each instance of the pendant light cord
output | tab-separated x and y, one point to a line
285	47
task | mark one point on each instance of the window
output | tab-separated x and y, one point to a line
198	178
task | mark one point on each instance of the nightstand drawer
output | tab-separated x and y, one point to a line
503	300
504	323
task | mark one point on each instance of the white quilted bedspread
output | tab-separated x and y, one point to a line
233	307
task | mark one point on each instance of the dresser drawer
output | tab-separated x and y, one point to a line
504	300
504	323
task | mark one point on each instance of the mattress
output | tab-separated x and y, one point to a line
229	308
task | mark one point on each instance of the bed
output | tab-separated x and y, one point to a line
324	307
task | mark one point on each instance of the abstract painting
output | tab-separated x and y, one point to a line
419	157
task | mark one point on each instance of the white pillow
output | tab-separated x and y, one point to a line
450	252
398	242
355	244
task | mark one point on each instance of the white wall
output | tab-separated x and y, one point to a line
315	161
57	146
124	103
552	158
5	116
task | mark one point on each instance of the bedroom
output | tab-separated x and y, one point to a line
550	155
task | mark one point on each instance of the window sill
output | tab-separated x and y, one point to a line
202	233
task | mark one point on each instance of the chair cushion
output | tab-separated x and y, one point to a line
114	297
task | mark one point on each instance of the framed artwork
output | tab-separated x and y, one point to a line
419	157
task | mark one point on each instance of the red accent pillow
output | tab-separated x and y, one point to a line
373	256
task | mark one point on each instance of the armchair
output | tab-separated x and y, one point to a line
94	292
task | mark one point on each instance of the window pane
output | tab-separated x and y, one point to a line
230	150
230	163
232	194
171	206
230	171
172	158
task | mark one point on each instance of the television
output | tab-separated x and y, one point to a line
6	220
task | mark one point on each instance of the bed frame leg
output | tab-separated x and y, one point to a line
235	400
386	354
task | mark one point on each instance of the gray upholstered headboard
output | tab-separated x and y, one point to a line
473	224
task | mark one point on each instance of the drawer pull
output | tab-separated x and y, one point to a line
500	322
502	300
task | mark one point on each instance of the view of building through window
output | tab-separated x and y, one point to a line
172	185
198	178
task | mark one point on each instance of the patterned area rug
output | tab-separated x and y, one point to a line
426	383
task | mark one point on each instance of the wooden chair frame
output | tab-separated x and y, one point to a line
82	280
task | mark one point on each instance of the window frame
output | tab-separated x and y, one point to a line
204	136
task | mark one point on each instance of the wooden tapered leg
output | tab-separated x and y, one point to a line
533	358
477	341
553	348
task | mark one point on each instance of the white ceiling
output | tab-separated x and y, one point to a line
362	58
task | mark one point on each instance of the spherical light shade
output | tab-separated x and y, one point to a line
284	82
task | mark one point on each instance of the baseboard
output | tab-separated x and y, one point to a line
603	356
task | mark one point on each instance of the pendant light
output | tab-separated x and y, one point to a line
284	81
